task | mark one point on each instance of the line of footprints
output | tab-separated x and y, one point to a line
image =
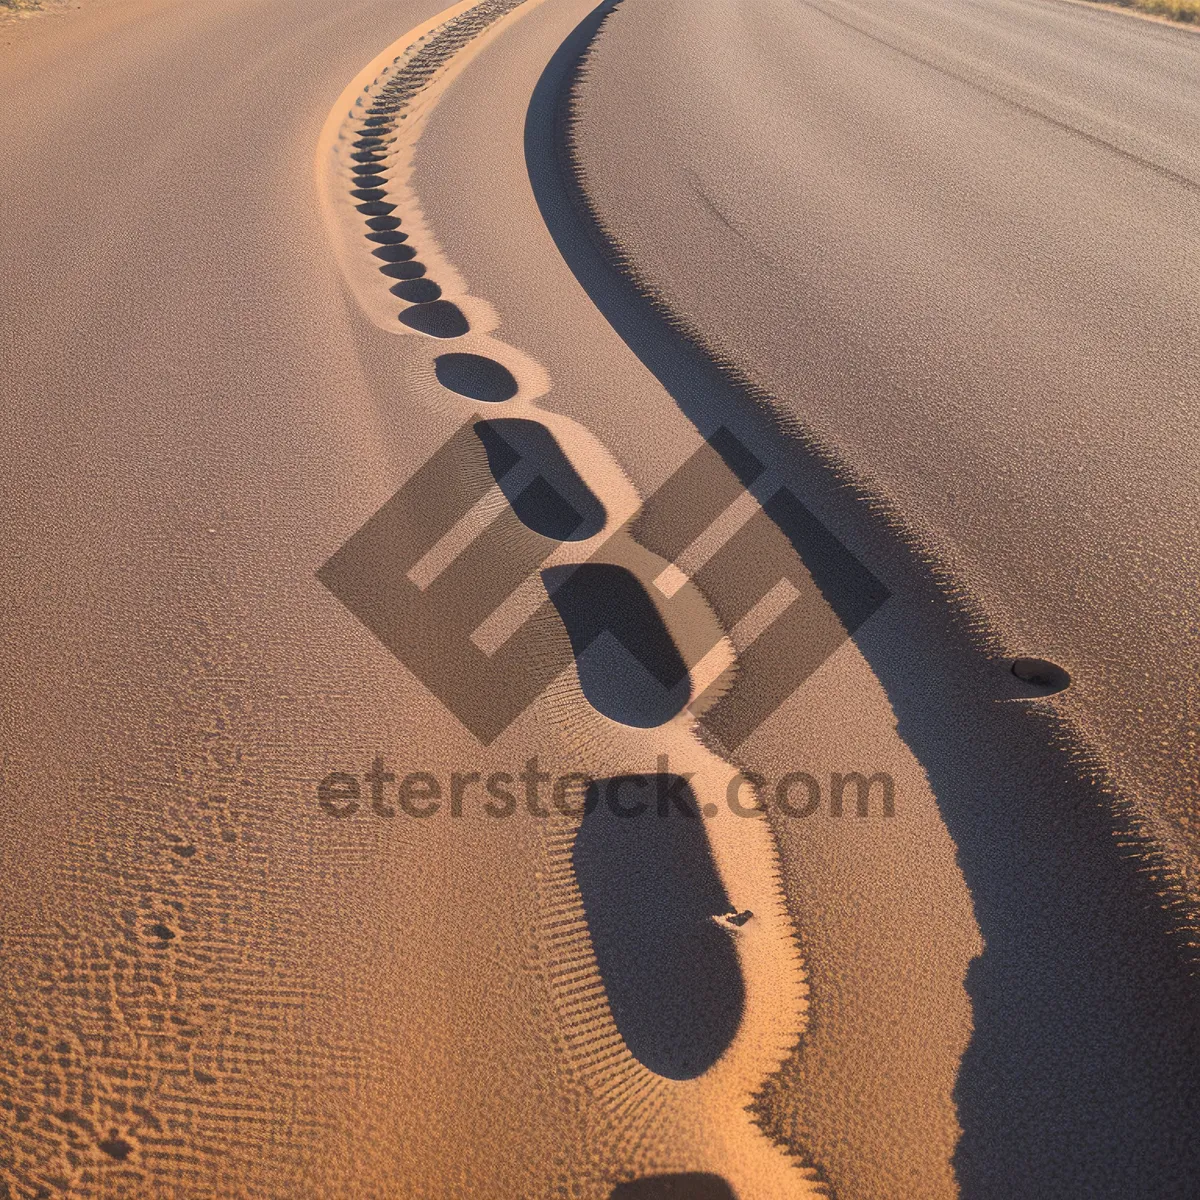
558	503
427	312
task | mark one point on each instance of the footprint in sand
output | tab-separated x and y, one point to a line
395	253
629	666
438	318
474	376
693	1185
416	291
537	478
652	896
403	270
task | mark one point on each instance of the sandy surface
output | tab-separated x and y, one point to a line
971	272
261	532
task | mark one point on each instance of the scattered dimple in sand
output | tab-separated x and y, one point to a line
1042	674
629	667
650	891
416	291
537	478
186	851
395	252
116	1147
163	933
403	270
694	1185
475	376
439	319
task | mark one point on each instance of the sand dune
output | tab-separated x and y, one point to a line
477	724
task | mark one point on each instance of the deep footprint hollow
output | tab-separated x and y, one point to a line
538	480
694	1185
416	291
629	667
476	377
395	253
439	318
651	892
403	270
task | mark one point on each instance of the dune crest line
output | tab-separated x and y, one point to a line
668	343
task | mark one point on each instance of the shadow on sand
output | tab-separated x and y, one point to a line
629	667
538	480
691	1186
650	891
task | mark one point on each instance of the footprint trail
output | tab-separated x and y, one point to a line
671	1011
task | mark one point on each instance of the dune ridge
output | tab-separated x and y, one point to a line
975	632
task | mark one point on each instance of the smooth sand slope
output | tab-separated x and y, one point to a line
341	430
